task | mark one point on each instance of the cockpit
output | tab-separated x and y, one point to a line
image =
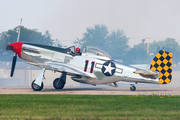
72	51
88	49
95	51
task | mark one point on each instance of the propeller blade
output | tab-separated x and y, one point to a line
19	31
13	64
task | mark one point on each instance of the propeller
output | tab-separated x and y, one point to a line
13	64
8	47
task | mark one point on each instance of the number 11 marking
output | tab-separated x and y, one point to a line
86	66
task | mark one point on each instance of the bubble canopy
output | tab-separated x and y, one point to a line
95	50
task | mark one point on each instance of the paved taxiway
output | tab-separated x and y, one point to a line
92	91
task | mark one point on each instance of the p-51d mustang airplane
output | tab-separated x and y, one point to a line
92	66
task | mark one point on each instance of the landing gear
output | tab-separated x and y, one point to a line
36	87
60	82
37	84
132	88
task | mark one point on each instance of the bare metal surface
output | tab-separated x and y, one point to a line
92	91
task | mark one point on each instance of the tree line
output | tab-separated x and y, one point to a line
116	44
113	42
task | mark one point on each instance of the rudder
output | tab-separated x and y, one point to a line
162	63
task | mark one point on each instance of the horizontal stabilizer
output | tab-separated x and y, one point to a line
148	74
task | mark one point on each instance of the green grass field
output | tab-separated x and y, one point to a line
80	107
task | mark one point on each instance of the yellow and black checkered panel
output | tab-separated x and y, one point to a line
162	63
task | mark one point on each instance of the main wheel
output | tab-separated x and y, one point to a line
58	83
133	88
36	87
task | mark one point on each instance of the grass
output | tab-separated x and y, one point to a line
80	107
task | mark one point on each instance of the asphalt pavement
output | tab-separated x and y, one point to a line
92	91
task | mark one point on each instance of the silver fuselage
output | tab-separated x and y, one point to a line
85	68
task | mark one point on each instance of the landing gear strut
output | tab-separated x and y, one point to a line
60	82
37	84
132	88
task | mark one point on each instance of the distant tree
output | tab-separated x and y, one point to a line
117	44
57	43
170	45
27	35
94	36
114	43
137	55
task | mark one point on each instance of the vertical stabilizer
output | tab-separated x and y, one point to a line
162	63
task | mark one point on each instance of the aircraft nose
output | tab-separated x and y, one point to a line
15	47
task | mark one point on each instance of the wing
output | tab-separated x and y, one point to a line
62	67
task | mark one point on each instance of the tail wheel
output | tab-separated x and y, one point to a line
58	83
133	88
35	87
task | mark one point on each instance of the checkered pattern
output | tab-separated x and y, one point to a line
162	63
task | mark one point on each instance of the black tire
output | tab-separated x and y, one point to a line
58	84
36	87
133	88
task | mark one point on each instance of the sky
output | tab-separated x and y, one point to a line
67	20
